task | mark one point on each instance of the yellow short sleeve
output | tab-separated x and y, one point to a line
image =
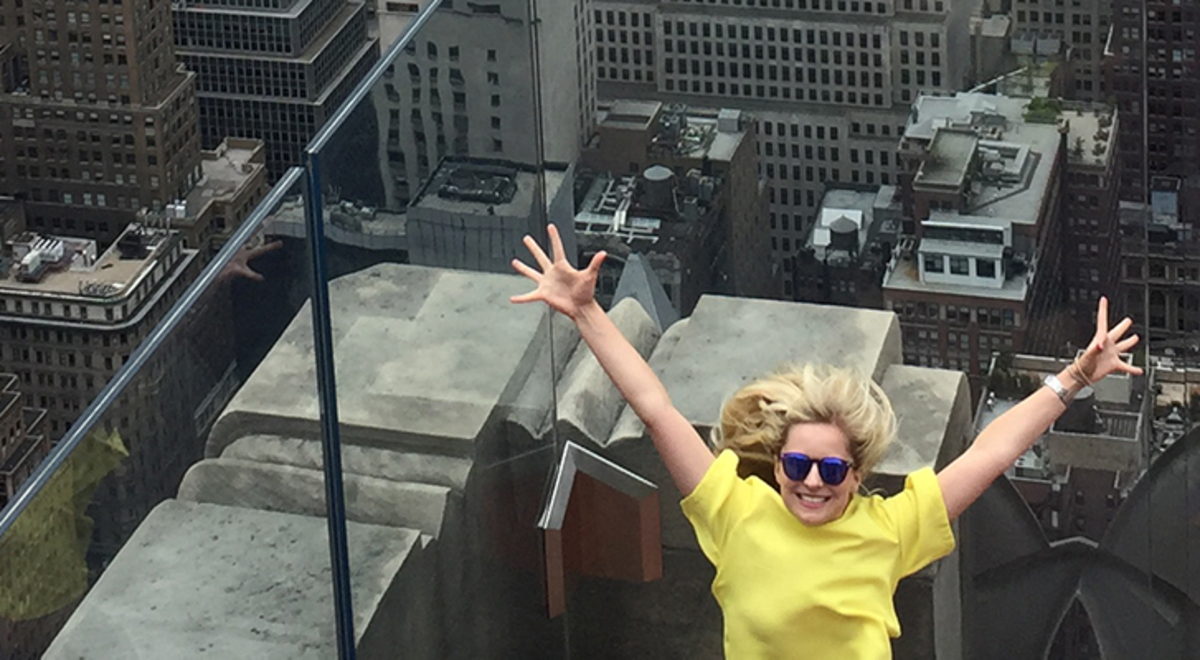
716	504
919	519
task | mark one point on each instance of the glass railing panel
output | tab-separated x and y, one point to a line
115	390
429	179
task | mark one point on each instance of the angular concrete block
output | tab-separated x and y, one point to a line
425	357
207	581
437	470
588	402
288	489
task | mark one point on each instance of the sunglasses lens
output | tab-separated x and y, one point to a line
833	470
796	466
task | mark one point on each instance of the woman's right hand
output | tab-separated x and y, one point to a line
566	289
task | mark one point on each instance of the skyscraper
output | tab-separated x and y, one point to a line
272	69
97	118
1157	86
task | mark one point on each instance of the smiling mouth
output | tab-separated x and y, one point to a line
813	501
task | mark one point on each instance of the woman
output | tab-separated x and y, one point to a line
806	566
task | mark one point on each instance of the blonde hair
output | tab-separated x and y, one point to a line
755	420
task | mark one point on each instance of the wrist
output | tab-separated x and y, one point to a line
1063	386
587	311
1076	373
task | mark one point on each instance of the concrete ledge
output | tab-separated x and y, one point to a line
208	581
287	489
436	470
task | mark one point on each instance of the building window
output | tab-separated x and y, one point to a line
934	263
985	268
960	266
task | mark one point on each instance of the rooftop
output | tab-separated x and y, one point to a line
949	159
678	130
225	172
1093	133
631	114
982	141
869	210
904	271
479	186
653	212
78	271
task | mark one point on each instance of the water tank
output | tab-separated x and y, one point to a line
659	190
843	235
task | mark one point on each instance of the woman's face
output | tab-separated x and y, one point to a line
810	499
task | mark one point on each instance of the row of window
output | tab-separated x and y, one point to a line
774	92
955	314
841	6
65	359
759	34
823	75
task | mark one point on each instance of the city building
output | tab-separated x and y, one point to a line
847	251
473	213
830	86
233	180
23	445
97	118
1079	30
1157	88
465	86
1160	271
1090	214
675	225
707	171
982	185
70	316
272	69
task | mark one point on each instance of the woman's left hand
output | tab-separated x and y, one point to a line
1103	355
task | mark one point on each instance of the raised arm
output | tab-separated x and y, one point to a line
572	293
1011	434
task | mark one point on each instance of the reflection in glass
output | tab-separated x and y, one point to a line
102	323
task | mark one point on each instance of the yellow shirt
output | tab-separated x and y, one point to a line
792	591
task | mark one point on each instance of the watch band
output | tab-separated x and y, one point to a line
1065	395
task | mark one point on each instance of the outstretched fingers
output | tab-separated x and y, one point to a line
1121	328
538	254
556	244
1102	317
526	270
597	260
1125	345
532	296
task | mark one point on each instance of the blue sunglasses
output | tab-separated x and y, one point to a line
833	470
